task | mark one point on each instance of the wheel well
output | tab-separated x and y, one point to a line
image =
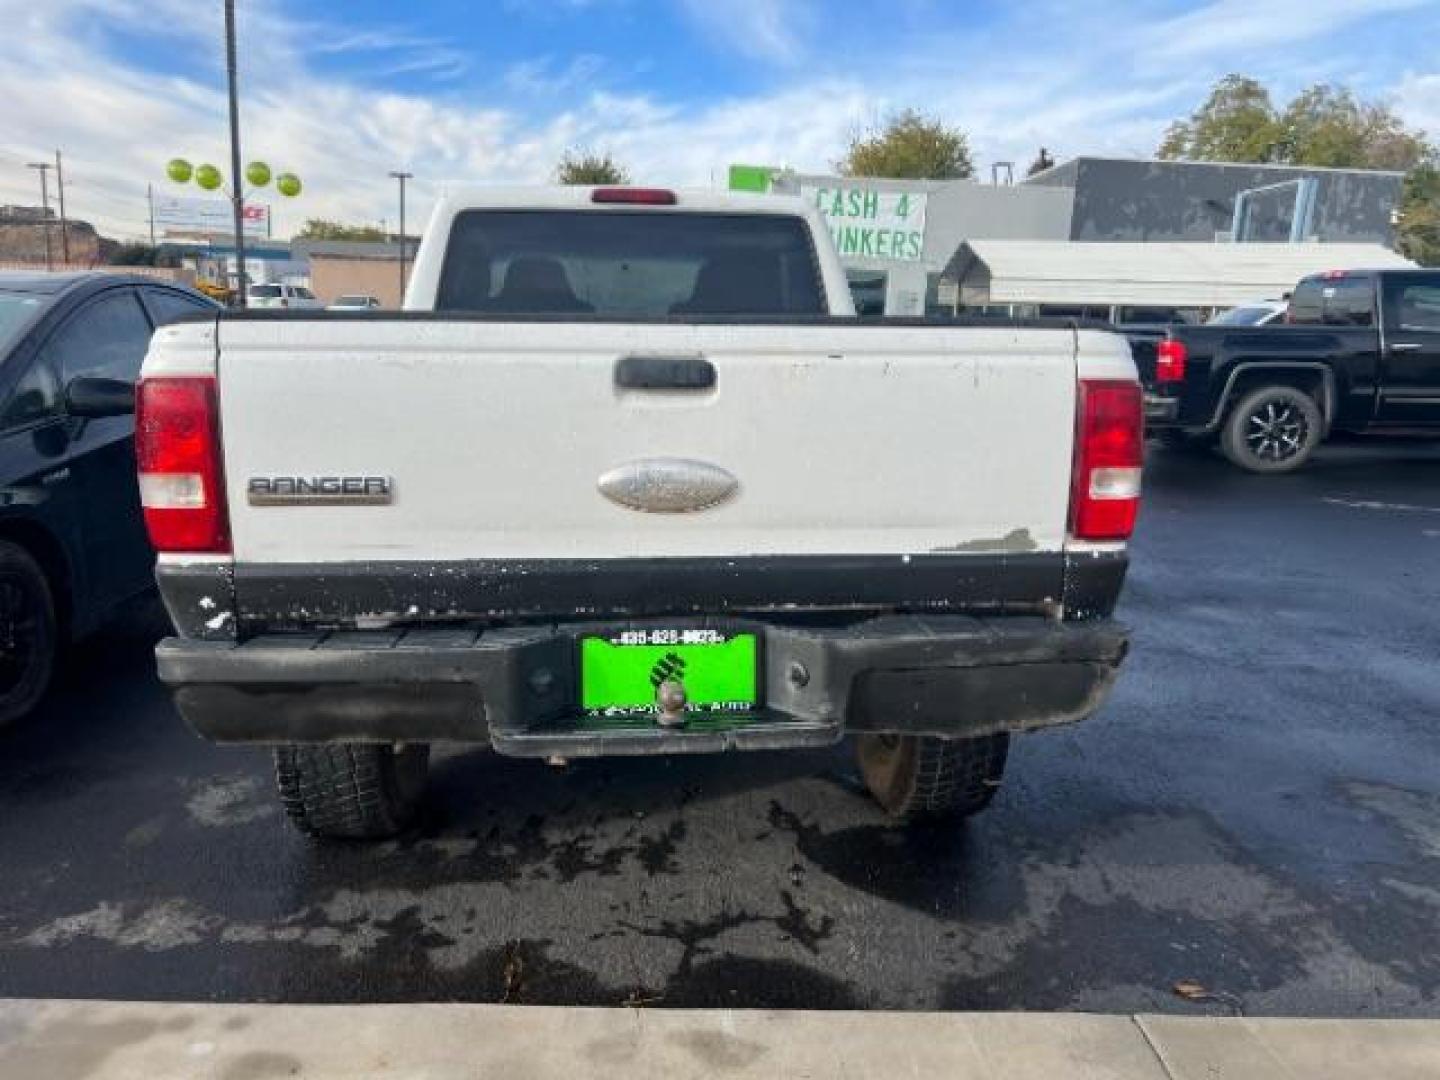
48	552
1310	380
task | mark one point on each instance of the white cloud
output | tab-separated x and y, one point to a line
1228	27
1417	101
767	29
545	76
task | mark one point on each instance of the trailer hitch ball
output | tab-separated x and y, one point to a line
670	696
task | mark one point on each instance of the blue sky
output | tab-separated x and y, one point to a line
494	91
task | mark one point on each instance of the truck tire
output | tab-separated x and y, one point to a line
1272	429
925	778
351	791
29	634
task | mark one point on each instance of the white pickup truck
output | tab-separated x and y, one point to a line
627	476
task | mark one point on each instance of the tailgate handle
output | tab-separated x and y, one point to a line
664	373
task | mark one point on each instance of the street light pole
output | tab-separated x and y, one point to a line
64	228
237	191
402	177
43	167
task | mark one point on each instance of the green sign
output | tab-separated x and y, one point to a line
867	223
751	178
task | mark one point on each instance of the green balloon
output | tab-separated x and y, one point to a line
288	184
258	173
179	170
208	177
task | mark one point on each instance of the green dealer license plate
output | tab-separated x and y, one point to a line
621	672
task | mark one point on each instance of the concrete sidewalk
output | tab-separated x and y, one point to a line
98	1040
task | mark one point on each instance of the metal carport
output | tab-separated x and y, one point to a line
1159	274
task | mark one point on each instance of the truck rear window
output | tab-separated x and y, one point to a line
629	263
1333	301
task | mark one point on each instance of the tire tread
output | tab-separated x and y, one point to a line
346	790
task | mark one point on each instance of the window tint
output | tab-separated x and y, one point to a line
1334	301
1420	307
167	305
1307	304
35	397
106	338
1350	303
17	310
265	292
626	263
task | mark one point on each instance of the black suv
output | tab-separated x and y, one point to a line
72	540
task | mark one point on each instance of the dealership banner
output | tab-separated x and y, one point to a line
179	214
871	224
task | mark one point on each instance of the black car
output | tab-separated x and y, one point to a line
1359	351
72	540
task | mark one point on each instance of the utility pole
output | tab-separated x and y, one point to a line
150	201
64	230
43	167
237	189
402	177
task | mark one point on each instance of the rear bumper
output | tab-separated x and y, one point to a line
515	688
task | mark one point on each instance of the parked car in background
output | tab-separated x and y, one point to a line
355	302
277	295
1255	313
1358	351
695	505
72	541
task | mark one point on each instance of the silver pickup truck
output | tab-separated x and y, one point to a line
629	477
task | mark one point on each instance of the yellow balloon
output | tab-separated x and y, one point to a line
179	170
208	177
288	184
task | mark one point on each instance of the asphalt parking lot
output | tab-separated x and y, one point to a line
1257	810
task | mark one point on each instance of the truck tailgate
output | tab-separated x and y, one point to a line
841	438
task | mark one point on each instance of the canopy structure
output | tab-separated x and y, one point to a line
1163	274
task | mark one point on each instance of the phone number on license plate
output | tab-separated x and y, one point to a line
669	637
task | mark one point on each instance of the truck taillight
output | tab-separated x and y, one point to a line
1170	358
177	446
1109	438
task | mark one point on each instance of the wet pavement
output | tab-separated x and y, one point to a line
1257	810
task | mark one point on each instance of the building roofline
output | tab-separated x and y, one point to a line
1215	164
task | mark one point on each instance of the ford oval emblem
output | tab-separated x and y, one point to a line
667	485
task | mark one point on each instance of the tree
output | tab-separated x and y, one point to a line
586	167
1236	123
1419	227
322	229
910	146
1326	125
1323	126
